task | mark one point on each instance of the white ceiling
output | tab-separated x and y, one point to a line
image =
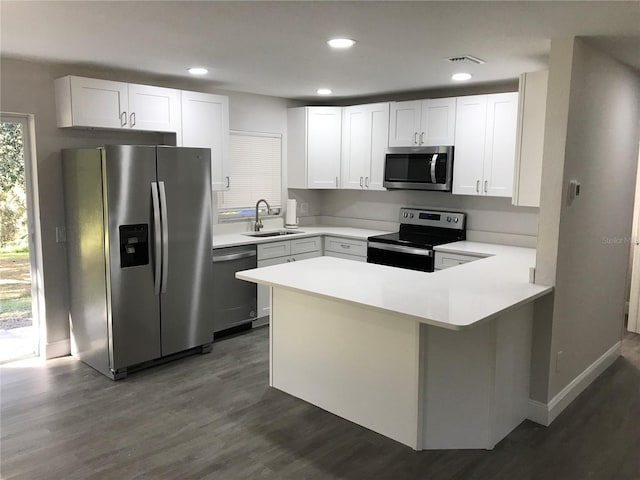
278	48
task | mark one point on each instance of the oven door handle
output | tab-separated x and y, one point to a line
401	249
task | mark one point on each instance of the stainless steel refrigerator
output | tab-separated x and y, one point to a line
138	224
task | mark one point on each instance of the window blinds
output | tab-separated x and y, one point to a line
256	160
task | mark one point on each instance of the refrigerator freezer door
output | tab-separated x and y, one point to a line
134	310
186	304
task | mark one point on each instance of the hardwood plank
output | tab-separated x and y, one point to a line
214	417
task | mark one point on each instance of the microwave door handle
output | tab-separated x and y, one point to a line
433	168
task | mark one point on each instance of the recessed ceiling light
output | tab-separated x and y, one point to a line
198	71
341	43
460	77
325	91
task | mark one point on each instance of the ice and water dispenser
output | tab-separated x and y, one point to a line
134	245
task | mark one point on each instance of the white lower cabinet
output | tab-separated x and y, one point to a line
346	248
446	260
275	253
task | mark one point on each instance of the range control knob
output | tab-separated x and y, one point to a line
411	215
455	220
449	219
405	214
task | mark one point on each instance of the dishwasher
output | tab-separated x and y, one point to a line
235	301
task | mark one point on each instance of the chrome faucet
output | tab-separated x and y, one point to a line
258	225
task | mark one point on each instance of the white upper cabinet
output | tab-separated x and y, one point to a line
404	123
155	109
314	147
90	102
96	103
485	134
530	139
364	145
205	123
422	122
438	121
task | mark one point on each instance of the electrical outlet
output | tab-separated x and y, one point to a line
559	359
61	234
304	207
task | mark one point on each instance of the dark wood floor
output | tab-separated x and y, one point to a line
213	417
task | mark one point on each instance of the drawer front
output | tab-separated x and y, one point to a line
304	245
273	261
275	249
446	260
346	256
346	245
303	256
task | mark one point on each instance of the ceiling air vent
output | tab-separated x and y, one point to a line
465	59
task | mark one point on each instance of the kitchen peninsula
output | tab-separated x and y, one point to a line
432	360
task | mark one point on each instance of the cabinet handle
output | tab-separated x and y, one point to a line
344	245
288	260
477	186
360	182
485	185
366	182
421	138
415	138
336	182
123	119
228	182
293	259
132	118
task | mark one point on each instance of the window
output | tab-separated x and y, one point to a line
256	160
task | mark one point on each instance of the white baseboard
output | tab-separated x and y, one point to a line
544	414
60	348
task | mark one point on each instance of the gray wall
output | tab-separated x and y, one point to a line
582	247
27	87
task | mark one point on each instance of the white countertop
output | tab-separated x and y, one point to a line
233	239
454	298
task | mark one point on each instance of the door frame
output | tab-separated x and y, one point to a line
633	319
34	228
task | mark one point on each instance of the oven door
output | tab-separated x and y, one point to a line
400	256
429	169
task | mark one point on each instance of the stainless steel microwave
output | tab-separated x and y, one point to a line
423	168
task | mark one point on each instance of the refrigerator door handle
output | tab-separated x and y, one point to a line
165	237
157	232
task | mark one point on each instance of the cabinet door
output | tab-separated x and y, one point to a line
356	146
205	123
468	157
379	145
438	121
500	144
264	291
324	132
154	109
404	123
99	103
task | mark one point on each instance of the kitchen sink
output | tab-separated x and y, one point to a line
271	234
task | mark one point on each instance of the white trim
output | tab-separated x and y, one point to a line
33	216
544	414
61	348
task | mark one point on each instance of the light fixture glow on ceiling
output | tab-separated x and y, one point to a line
460	77
341	43
325	91
198	71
